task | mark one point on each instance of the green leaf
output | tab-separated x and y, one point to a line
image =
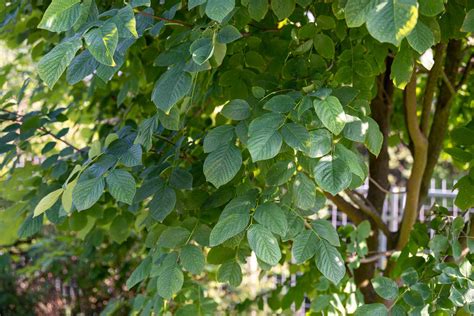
385	287
47	202
121	185
194	3
421	38
264	244
272	217
280	104
296	136
52	65
170	282
181	179
230	272
324	46
126	23
374	139
375	309
119	230
325	230
236	110
280	172
217	10
331	114
201	50
304	192
222	164
140	273
431	7
352	159
81	66
258	9
87	192
319	143
218	137
329	261
192	259
172	86
332	175
228	34
304	246
66	198
173	236
102	42
264	139
227	227
357	11
468	24
391	20
283	8
60	15
355	129
163	203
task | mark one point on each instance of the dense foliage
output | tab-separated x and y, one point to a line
176	138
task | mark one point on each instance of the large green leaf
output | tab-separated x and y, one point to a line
264	139
392	20
431	7
332	175
81	66
172	86
280	172
331	113
126	23
258	9
201	50
87	192
264	244
237	110
296	136
217	10
357	11
374	138
375	309
304	246
272	217
173	236
421	38
102	42
280	104
60	15
222	164
318	144
227	227
283	8
325	230
468	24
329	261
163	203
218	137
228	34
52	65
140	273
121	185
231	272
385	287
303	192
170	282
192	259
47	202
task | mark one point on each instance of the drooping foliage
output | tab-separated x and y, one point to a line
195	133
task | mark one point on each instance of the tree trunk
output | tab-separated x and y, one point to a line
381	108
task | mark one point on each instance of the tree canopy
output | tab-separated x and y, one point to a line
163	143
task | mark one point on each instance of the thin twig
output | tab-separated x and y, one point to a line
448	84
381	188
178	22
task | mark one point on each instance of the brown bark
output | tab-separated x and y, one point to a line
420	149
439	125
381	108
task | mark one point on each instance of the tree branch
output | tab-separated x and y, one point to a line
368	209
431	84
160	18
420	146
347	208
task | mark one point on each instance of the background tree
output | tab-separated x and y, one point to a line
201	131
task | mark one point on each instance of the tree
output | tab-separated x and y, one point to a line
208	130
